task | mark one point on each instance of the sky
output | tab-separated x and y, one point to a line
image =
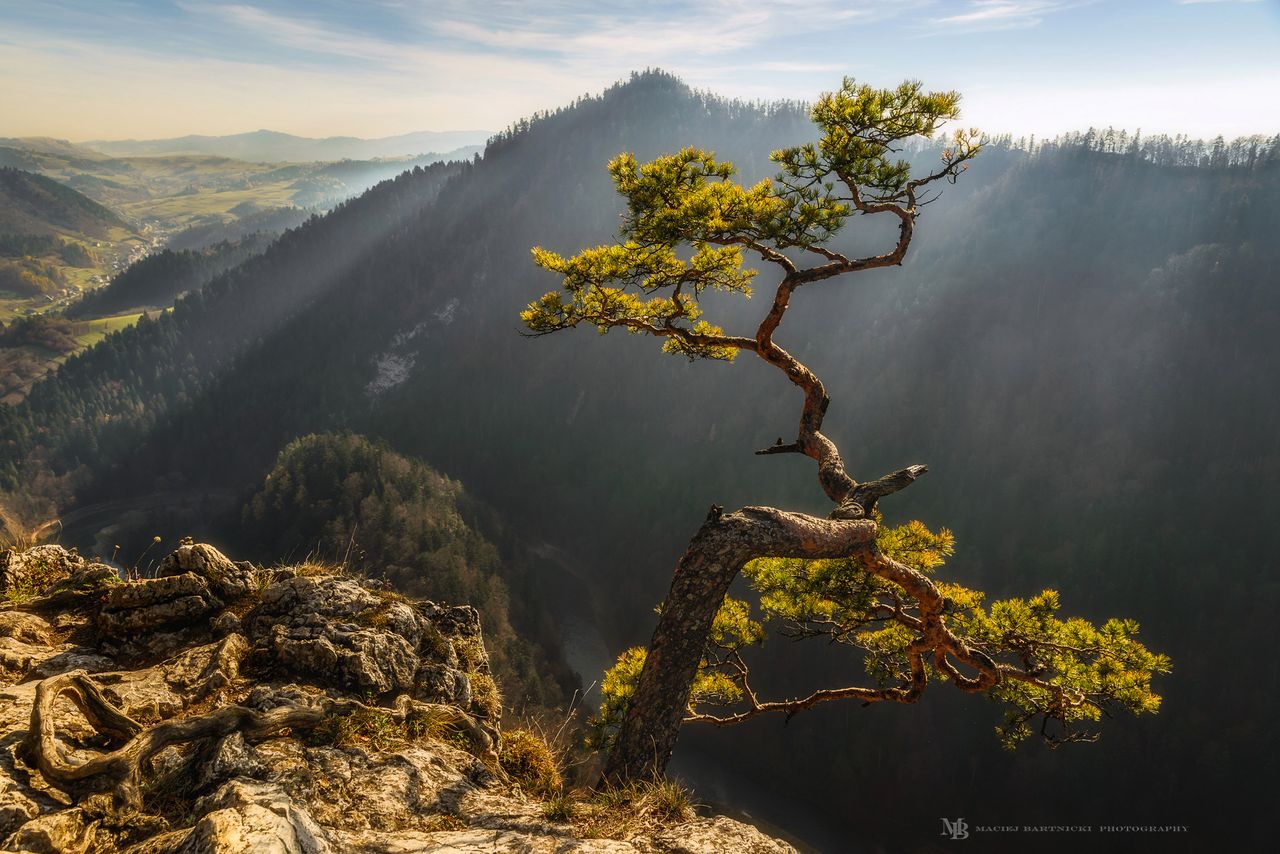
113	69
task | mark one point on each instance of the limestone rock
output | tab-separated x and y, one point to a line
65	832
82	587
225	623
232	757
73	658
246	817
27	628
17	658
141	694
16	808
208	635
142	607
36	569
344	634
715	835
205	670
229	580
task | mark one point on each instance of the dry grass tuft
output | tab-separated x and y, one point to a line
621	812
378	730
485	696
528	760
313	568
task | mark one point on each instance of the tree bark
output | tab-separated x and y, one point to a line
715	556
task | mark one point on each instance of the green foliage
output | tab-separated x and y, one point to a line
30	277
915	545
21	245
733	627
77	255
1080	668
689	199
560	808
838	592
48	332
616	690
36	203
158	279
648	269
862	129
1064	672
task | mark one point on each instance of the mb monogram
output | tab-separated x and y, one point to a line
958	829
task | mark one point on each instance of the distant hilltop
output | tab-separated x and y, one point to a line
267	146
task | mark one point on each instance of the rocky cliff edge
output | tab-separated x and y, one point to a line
223	707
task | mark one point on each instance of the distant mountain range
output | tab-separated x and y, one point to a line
274	147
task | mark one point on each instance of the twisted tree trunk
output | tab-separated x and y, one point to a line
716	554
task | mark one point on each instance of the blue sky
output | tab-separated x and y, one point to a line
153	68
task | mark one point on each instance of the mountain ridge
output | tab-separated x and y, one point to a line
31	203
268	146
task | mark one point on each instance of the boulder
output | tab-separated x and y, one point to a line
228	579
27	628
35	570
716	835
206	670
68	831
248	817
345	635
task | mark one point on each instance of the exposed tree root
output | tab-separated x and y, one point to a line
123	770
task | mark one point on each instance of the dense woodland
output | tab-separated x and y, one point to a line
157	280
1081	347
344	500
27	344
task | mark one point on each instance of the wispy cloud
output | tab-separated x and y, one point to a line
570	44
1003	14
375	67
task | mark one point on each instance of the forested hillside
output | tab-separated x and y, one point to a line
1081	347
47	230
343	499
155	281
34	204
105	400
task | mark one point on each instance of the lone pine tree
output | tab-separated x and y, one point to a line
848	578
